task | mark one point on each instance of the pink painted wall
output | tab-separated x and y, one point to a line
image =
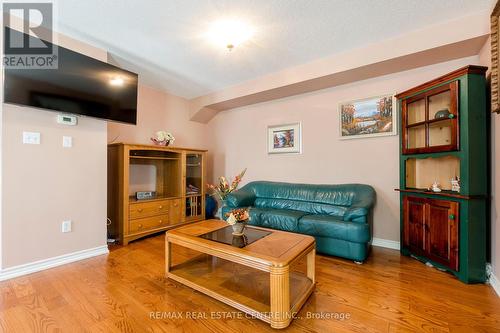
158	110
239	140
42	185
46	184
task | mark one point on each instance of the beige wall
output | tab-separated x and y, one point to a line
239	139
46	184
42	185
158	110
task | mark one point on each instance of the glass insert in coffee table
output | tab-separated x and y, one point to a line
224	235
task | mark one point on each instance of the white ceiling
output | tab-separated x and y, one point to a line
163	39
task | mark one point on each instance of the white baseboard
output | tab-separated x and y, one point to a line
389	244
41	265
492	279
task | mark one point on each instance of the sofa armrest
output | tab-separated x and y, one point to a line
360	210
240	198
357	214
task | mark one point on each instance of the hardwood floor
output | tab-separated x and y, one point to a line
118	293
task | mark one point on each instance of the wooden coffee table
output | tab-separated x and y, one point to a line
263	279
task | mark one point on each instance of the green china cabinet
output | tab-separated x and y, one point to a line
444	173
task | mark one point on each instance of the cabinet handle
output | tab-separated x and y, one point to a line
139	210
451	216
161	221
161	207
139	226
451	116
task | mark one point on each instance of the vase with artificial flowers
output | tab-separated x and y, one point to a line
238	219
224	187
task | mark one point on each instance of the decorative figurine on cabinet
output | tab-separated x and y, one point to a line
455	184
435	187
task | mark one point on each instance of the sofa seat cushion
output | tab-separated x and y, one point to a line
329	226
282	219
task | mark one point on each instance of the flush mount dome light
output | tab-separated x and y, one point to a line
229	33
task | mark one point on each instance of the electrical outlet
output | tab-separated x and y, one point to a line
67	142
66	226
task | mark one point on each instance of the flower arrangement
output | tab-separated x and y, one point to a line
222	189
237	216
163	138
237	219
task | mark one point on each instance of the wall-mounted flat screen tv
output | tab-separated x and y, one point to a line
80	85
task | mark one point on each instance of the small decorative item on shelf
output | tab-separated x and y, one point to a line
191	189
455	184
163	138
238	219
435	187
441	114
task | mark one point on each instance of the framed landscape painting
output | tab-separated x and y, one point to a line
284	139
375	116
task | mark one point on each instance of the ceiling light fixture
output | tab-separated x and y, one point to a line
230	33
117	81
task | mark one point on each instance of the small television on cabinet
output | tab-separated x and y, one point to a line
80	85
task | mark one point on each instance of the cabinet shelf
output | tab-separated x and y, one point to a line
133	200
420	123
154	158
448	194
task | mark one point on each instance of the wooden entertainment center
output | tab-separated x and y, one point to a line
176	175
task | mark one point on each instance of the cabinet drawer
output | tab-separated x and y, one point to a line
144	209
148	223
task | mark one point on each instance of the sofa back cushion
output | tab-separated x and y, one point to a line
333	200
304	206
339	195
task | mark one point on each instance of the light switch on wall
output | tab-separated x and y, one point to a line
31	138
67	141
66	226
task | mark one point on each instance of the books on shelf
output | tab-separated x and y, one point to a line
191	189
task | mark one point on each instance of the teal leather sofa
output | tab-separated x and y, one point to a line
338	216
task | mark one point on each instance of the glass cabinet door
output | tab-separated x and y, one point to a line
430	121
440	133
416	111
416	137
194	186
